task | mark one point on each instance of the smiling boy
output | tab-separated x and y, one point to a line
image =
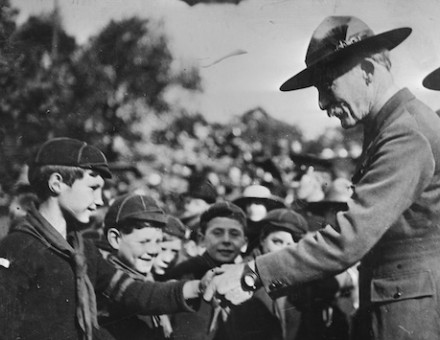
222	229
49	274
134	228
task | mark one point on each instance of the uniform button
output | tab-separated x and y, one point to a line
397	294
275	284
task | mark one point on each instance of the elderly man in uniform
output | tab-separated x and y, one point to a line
393	219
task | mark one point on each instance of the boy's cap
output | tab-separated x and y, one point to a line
223	209
204	190
136	208
286	219
70	152
176	227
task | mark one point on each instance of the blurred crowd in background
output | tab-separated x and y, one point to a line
111	92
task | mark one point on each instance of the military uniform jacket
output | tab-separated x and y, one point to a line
392	224
37	289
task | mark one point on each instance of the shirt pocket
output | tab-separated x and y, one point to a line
409	285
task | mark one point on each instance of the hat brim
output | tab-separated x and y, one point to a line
269	203
319	208
432	80
145	216
103	170
386	40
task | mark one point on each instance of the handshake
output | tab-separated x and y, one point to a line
229	284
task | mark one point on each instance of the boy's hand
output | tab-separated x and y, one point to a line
207	278
194	288
227	286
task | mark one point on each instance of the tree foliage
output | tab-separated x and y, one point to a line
100	92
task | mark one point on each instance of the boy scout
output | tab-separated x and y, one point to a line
49	275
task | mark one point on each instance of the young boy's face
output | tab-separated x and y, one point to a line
223	239
276	240
139	248
170	247
83	197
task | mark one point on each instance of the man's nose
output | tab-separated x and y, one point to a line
323	98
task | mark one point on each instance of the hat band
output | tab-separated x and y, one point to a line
345	43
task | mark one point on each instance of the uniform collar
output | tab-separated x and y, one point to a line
374	124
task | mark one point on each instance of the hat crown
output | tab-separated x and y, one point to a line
258	191
134	207
71	152
176	227
286	219
333	34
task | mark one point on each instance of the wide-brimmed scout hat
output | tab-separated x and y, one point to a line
336	197
432	80
259	194
337	38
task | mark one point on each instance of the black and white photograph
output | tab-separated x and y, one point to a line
219	169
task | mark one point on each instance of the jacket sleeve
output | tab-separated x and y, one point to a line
140	297
399	169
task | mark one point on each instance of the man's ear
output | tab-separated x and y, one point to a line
368	68
114	238
54	183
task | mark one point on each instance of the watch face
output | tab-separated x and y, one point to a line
249	280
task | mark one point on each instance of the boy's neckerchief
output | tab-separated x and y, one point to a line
153	321
36	225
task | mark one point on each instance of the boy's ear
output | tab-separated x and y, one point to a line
54	183
243	248
200	238
114	238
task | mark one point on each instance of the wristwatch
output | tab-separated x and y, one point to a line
250	280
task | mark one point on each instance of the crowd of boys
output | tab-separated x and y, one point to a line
137	281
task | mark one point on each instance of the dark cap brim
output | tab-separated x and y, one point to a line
320	207
432	80
103	170
387	40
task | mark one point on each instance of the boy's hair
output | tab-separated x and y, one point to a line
223	209
40	177
133	211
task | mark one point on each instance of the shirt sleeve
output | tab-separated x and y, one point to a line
140	297
400	167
